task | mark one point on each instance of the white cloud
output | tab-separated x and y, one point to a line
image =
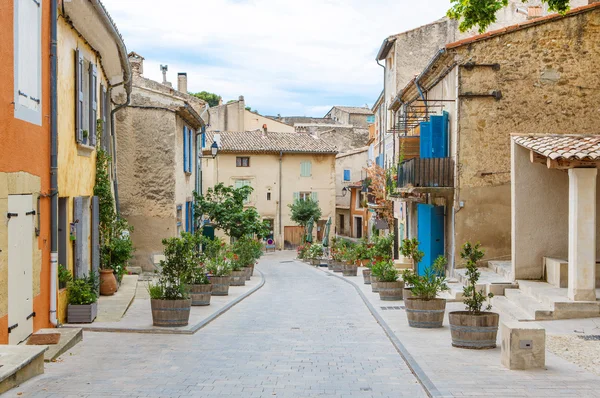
284	56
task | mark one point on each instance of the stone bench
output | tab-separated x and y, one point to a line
523	345
557	272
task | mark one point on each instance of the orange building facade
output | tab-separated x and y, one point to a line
24	168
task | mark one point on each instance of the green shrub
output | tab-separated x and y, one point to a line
428	286
315	251
385	271
81	292
219	266
410	249
382	246
473	299
64	276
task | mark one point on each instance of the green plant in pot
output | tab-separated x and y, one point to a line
382	248
170	298
410	249
315	252
219	269
362	253
388	285
474	328
82	299
64	276
423	308
350	256
199	286
247	251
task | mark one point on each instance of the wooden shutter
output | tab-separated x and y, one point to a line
190	149
79	270
78	96
95	238
306	169
314	196
93	76
28	34
185	149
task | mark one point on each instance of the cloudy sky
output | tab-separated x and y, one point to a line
287	57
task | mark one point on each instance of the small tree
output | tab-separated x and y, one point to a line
211	98
473	299
410	249
303	210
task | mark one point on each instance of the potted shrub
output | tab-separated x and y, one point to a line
244	249
388	285
238	272
474	328
362	253
410	249
382	248
302	251
367	273
199	286
349	259
315	252
219	270
82	299
423	308
169	297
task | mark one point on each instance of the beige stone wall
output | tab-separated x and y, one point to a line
355	162
15	184
548	82
254	121
264	177
234	117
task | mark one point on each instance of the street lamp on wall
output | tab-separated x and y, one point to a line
344	191
214	150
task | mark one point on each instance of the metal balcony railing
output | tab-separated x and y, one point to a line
429	173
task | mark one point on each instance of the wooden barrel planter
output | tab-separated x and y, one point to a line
426	314
367	276
349	270
390	291
220	285
251	266
200	294
238	278
170	312
474	331
374	284
330	265
337	266
248	272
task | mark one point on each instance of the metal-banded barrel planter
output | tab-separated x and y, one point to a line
331	264
349	270
374	284
367	276
474	331
238	278
220	285
170	312
200	294
249	270
337	266
426	314
390	291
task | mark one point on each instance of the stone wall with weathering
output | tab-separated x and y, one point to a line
550	84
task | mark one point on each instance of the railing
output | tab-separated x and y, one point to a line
428	172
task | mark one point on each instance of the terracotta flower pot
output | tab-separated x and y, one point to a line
108	282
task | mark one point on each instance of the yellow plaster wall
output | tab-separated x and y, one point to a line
14	184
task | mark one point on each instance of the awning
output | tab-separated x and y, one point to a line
562	151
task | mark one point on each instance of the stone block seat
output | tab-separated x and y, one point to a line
19	363
523	345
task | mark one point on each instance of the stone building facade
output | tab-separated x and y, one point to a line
350	171
535	77
233	116
282	168
159	141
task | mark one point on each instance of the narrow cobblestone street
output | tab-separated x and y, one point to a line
304	334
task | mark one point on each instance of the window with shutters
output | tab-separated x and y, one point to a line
28	60
188	149
86	105
304	195
242	161
346	174
243	183
305	169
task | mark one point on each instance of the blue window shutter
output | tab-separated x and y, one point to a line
445	134
425	151
346	175
185	152
190	149
203	138
438	137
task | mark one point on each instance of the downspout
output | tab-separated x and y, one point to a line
53	162
280	190
441	52
385	111
127	82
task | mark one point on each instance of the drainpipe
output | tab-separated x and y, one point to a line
385	113
53	162
280	179
441	52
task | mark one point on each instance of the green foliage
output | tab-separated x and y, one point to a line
385	271
247	251
410	249
362	250
473	299
428	286
64	276
198	276
303	210
225	207
315	251
156	291
382	246
482	13
81	291
177	267
219	266
211	98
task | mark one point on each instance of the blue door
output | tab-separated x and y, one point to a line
425	140
430	224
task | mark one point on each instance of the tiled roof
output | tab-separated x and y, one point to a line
568	147
523	25
271	142
355	110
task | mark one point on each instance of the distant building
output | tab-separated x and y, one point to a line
352	218
233	116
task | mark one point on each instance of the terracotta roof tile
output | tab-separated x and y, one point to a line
568	147
271	142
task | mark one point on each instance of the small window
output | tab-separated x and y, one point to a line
242	161
268	195
305	169
346	174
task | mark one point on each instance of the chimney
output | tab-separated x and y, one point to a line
264	131
182	82
137	64
534	12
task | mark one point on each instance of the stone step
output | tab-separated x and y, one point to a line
69	337
529	305
509	309
487	276
557	299
20	363
503	268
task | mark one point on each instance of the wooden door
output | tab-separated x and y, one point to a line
292	237
20	267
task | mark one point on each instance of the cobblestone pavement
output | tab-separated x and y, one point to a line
304	334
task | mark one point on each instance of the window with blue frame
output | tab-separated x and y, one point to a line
346	174
371	119
188	149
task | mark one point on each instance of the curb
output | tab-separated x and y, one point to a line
190	331
412	364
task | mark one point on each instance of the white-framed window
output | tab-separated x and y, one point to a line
86	106
314	196
28	60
